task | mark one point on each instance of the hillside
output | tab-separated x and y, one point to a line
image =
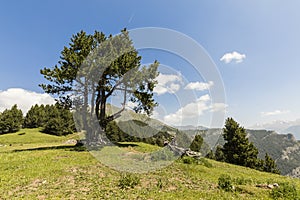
34	165
283	148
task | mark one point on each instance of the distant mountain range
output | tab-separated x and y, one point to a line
282	127
190	127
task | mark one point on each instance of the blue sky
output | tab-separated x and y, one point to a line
261	88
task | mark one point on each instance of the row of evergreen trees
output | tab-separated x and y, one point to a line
239	151
54	119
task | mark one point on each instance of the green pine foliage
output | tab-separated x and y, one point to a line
116	67
270	165
237	149
211	155
197	143
36	117
54	119
11	120
219	154
59	121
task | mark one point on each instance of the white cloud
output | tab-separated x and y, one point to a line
218	107
204	98
234	56
23	98
191	110
276	112
168	83
200	86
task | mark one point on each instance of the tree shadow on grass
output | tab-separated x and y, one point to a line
64	147
125	145
69	147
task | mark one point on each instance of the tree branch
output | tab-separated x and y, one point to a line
118	114
113	89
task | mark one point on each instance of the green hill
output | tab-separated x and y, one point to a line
34	165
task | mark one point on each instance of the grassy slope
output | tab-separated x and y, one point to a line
39	169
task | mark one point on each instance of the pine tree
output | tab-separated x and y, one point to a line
219	155
197	143
35	117
211	155
60	121
270	165
102	66
11	120
237	149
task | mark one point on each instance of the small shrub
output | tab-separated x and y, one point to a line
225	183
138	157
159	184
285	191
205	162
163	154
242	181
129	181
79	148
188	160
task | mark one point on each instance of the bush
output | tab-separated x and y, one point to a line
159	184
163	154
225	183
128	180
242	181
285	191
205	162
188	160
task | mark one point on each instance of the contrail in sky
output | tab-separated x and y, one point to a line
131	17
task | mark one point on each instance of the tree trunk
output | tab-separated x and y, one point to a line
85	105
97	107
102	119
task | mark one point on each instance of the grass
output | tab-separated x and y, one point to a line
40	166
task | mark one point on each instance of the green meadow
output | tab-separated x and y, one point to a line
34	165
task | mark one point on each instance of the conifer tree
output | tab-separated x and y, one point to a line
11	120
211	155
97	67
60	121
219	155
197	143
270	165
35	117
237	149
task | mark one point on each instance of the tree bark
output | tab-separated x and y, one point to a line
85	104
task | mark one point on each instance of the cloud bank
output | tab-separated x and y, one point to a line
276	112
194	110
23	98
